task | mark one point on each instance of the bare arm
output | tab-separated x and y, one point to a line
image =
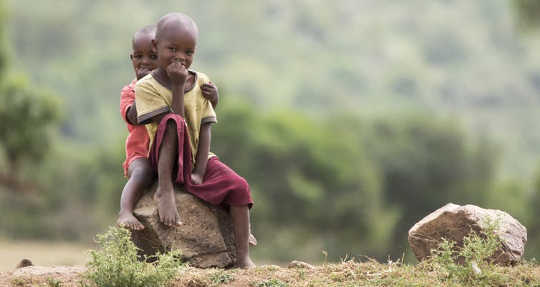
131	114
205	137
178	75
178	99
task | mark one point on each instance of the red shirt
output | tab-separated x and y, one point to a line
137	140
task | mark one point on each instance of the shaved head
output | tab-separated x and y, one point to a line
149	30
176	20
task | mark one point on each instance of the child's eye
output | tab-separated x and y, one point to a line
138	57
189	53
153	57
172	49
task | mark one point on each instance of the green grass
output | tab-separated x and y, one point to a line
116	263
221	277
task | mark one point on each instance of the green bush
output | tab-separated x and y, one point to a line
116	263
470	264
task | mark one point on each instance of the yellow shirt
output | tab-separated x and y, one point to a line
154	99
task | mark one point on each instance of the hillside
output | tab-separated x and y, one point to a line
460	59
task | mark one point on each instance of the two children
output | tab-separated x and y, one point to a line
172	101
136	166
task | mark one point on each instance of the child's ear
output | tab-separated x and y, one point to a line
154	45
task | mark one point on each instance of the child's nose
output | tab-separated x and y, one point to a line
179	59
146	60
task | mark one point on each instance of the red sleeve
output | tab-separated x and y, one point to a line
127	97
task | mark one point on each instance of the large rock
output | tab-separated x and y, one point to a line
206	238
454	222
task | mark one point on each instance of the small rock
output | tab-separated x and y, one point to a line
300	264
454	222
24	263
206	239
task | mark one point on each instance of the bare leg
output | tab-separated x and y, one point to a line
168	214
140	177
240	218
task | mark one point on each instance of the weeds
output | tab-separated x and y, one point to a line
470	264
221	277
116	263
270	283
18	282
51	282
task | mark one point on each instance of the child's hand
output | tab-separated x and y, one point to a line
177	72
210	92
196	178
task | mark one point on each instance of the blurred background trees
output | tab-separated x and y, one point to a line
350	121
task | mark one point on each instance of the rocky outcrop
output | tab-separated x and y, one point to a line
453	222
206	237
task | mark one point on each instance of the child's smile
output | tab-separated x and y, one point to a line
176	44
143	57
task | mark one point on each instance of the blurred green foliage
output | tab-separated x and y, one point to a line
528	12
27	116
350	121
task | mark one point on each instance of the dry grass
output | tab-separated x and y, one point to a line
348	273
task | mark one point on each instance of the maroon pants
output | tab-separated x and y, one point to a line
221	185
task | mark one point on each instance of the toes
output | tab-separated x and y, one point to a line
178	221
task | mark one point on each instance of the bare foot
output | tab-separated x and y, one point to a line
245	263
128	220
168	214
252	240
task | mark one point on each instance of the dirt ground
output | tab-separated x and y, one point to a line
329	275
42	253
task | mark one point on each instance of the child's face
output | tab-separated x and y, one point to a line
176	43
143	57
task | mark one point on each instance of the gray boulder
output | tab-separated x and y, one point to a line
453	222
206	238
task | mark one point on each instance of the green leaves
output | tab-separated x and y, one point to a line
27	115
116	263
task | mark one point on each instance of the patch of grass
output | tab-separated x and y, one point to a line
18	282
221	277
116	263
270	283
470	264
51	282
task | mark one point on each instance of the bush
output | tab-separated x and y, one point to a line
470	265
116	263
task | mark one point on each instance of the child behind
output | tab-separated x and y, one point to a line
136	166
179	125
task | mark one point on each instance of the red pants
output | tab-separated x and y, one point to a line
221	185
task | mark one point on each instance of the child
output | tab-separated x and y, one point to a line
179	119
136	166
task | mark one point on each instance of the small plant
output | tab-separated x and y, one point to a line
270	283
116	263
221	277
471	264
51	282
18	282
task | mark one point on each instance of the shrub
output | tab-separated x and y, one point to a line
116	263
470	264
